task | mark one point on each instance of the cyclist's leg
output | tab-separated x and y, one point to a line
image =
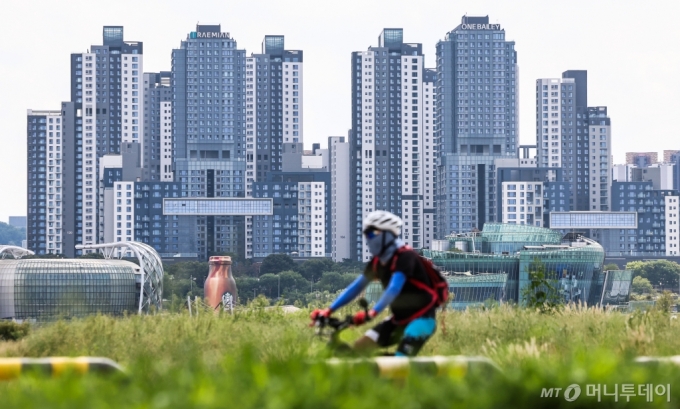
416	333
382	335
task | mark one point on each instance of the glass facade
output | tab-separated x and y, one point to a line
593	220
217	207
617	287
494	264
471	290
575	268
273	45
497	238
45	289
113	35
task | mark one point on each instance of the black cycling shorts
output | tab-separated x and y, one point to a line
411	336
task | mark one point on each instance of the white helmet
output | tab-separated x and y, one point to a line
384	221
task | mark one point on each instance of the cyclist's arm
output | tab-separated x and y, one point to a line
350	292
391	292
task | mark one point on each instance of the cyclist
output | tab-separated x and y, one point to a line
407	291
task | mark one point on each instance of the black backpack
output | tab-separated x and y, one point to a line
439	287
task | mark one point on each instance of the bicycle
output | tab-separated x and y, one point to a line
334	344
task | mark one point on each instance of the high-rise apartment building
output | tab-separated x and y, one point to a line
339	160
476	119
273	101
108	95
45	223
273	105
208	120
300	222
105	110
601	159
576	138
158	127
657	220
392	139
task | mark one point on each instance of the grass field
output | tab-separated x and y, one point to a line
265	359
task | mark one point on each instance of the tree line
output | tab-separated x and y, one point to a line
277	277
653	275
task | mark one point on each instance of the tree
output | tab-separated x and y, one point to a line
332	281
315	266
285	281
642	285
245	268
610	267
268	283
185	278
663	273
11	235
541	293
247	288
96	255
276	263
43	256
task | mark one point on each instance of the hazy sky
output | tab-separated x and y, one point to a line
631	50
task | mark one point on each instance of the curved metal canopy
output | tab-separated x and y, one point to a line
14	251
149	261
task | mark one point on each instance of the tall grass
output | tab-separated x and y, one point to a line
265	359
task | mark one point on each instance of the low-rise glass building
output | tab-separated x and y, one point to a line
494	264
45	289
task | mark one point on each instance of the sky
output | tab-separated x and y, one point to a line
631	50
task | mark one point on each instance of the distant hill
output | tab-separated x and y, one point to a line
11	235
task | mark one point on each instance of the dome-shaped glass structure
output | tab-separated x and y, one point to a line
44	289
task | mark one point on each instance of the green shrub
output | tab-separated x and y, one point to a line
12	331
665	302
642	286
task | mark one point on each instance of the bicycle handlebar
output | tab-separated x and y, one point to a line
336	323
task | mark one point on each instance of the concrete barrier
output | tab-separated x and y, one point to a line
655	360
11	368
399	367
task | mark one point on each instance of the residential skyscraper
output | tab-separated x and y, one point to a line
392	139
339	158
657	220
274	99
158	127
107	90
208	87
273	105
477	121
105	110
568	138
45	141
601	159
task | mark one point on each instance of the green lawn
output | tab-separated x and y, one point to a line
265	359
